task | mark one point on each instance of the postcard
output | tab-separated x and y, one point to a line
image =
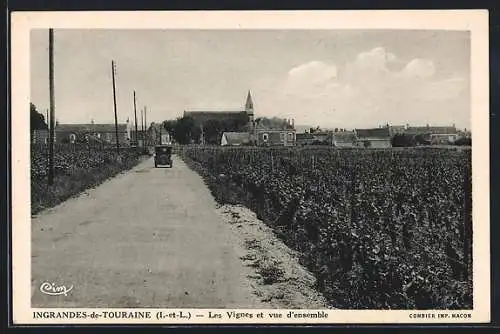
250	167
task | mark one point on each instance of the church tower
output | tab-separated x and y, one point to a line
249	110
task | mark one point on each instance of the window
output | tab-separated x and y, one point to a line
265	137
290	136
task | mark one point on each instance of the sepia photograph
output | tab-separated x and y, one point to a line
309	170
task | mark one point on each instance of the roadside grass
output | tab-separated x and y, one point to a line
270	270
74	183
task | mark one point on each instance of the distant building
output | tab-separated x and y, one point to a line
153	134
397	129
305	138
271	137
261	134
344	139
202	116
319	137
40	136
439	135
137	138
375	138
103	133
235	139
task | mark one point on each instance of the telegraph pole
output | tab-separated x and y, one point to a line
142	126
135	118
145	123
202	135
52	107
114	104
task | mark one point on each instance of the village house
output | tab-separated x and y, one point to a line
154	134
103	133
275	137
136	138
396	129
438	135
374	138
235	139
315	137
344	139
304	138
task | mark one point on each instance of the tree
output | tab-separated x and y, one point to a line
464	141
212	131
403	140
422	139
37	120
169	126
274	123
183	130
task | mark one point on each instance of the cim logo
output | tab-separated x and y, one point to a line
53	289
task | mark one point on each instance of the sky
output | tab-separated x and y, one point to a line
327	78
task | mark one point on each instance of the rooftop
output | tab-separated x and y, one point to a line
90	127
236	137
381	133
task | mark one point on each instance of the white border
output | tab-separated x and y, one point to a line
476	21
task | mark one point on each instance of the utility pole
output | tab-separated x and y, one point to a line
145	123
113	69
52	108
202	135
135	118
142	126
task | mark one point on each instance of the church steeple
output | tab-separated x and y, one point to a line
249	103
249	111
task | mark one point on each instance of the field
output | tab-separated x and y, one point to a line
77	167
380	229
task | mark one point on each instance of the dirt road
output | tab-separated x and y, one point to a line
146	238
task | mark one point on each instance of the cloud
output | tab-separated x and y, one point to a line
367	92
375	59
309	76
419	68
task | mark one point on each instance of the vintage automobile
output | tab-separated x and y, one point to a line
163	155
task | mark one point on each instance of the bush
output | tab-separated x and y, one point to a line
464	141
403	140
